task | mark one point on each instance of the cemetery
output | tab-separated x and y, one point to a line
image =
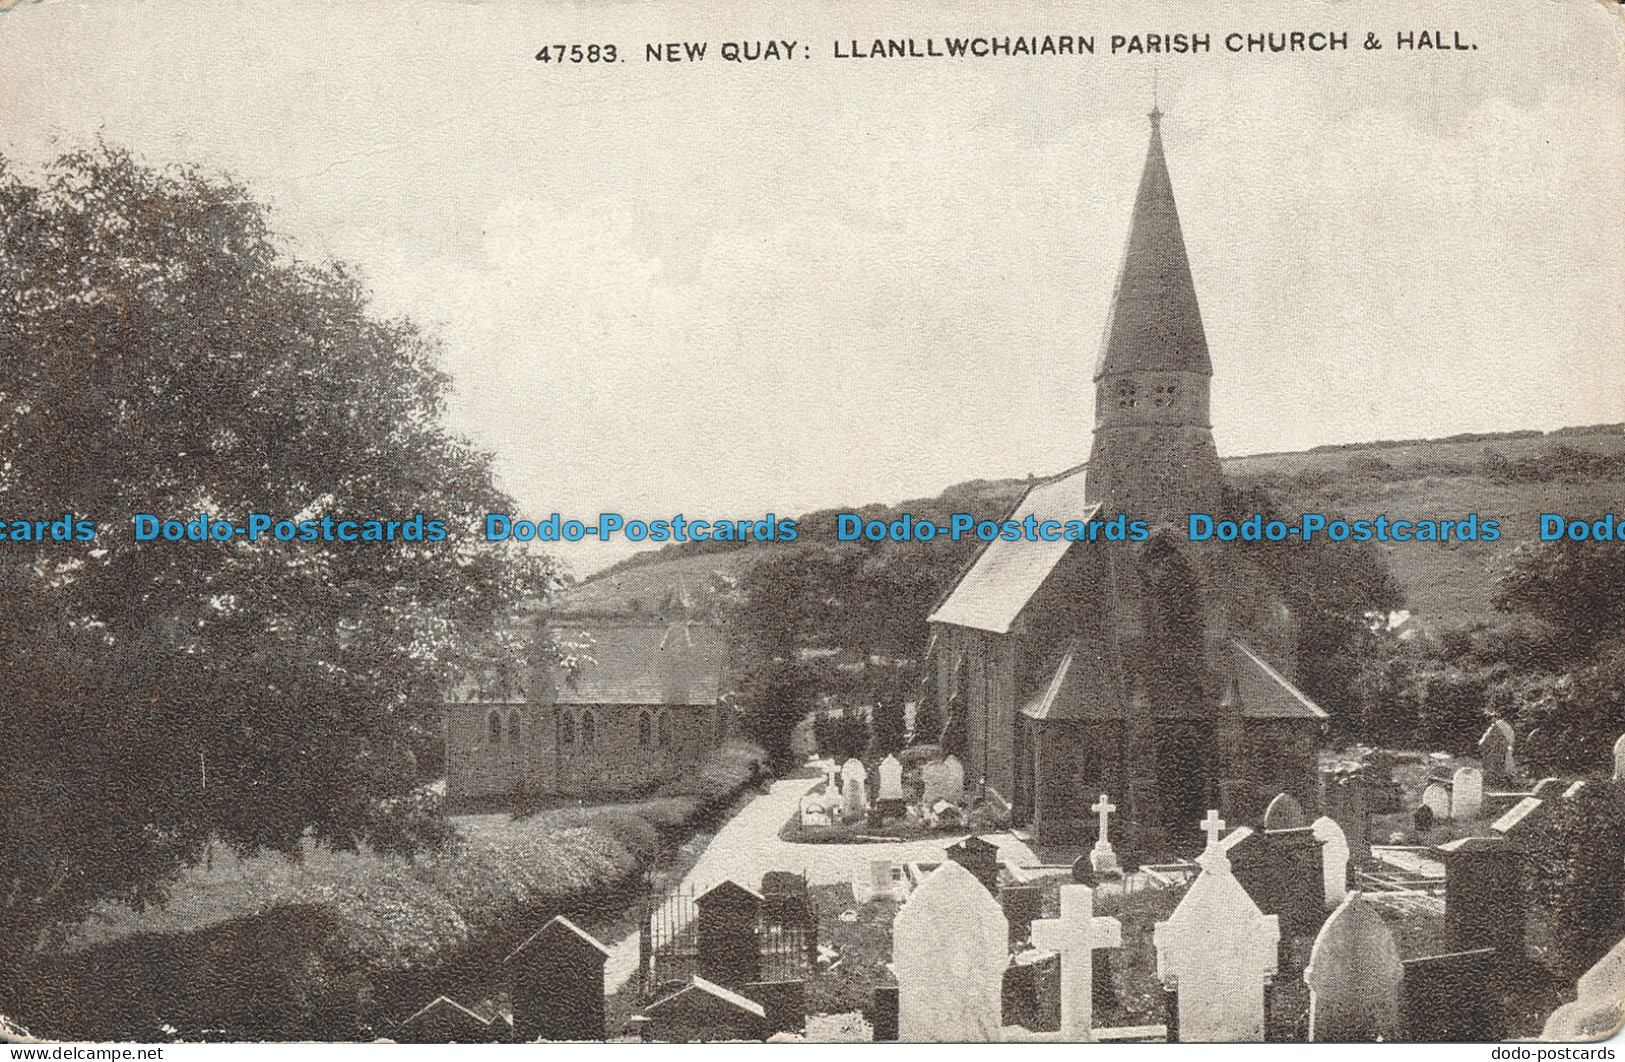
1493	916
889	801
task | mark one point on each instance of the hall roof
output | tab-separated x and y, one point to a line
1005	575
669	664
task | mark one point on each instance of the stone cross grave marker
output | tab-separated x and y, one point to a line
950	945
1353	975
891	779
1436	798
1284	813
1218	948
1075	936
1102	860
1466	793
854	794
1495	753
1334	856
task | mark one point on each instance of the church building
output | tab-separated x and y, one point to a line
1159	671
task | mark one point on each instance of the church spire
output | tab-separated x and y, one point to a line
1154	323
1153	454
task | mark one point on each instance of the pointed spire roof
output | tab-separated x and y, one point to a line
1154	324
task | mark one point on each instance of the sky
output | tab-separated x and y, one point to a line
724	289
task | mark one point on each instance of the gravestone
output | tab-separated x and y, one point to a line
854	770
1074	936
814	810
891	779
1495	753
883	1015
1102	859
979	857
1450	997
556	984
854	795
934	777
950	945
1599	1006
705	1011
880	884
1436	798
1347	804
1021	904
1284	813
1619	759
728	915
1466	793
1354	974
1219	949
1519	818
784	1001
1283	870
1334	860
446	1021
1483	895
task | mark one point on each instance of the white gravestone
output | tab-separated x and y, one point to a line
1466	793
854	768
1219	949
891	779
814	812
1075	936
1619	760
1102	859
1437	799
1495	752
950	946
955	780
1334	858
1354	974
873	881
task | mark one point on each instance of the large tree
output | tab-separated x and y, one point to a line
163	352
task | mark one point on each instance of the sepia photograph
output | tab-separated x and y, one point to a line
650	522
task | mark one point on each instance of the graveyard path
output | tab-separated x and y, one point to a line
748	846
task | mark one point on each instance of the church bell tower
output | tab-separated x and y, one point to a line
1153	456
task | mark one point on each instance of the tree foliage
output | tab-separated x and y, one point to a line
163	352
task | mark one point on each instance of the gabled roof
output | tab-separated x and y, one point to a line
729	889
1005	575
1266	694
667	664
561	925
1154	323
1083	686
450	1005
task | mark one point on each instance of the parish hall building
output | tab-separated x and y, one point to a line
1158	672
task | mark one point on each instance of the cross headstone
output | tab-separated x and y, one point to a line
1354	974
1075	936
1334	855
1466	793
1102	859
728	915
1436	798
1218	948
1495	753
950	945
891	779
556	984
1284	813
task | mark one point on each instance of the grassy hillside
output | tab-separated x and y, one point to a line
1509	477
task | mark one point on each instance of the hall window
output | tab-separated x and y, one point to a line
589	731
567	729
514	732
494	724
665	730
643	730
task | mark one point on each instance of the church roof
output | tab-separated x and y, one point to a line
1005	575
1266	694
1154	323
1083	687
679	663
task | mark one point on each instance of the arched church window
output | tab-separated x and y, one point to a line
589	731
643	729
665	730
494	724
514	733
567	729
